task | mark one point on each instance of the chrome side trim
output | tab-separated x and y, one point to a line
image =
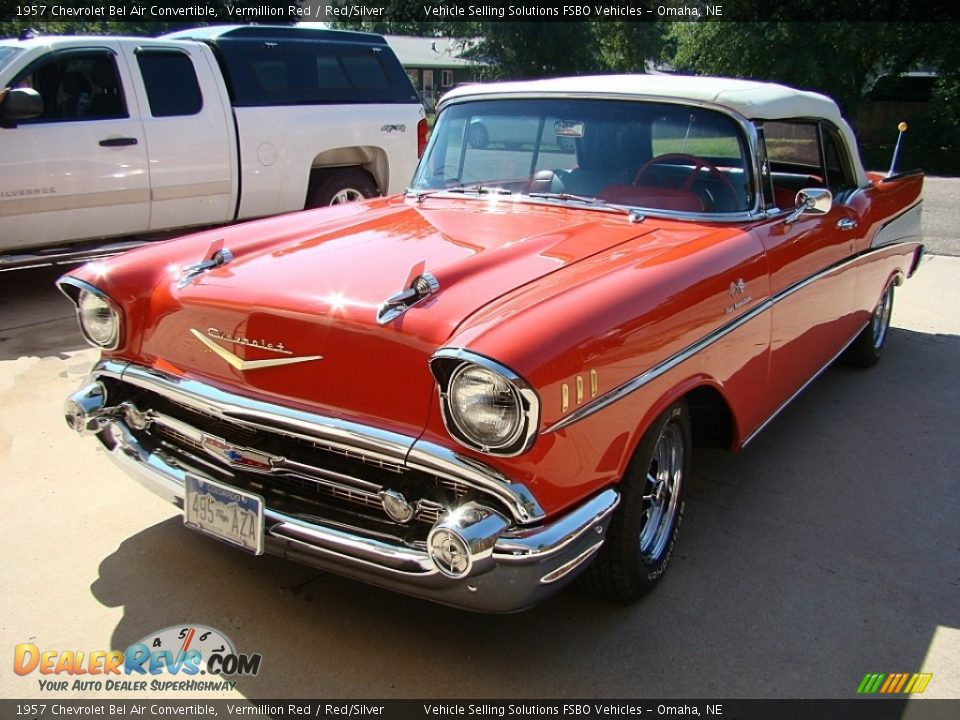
905	227
803	387
673	361
637	382
374	443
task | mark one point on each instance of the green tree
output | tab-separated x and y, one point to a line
842	60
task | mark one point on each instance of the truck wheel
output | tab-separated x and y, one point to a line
644	527
341	187
477	136
865	351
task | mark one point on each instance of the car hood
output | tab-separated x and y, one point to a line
295	319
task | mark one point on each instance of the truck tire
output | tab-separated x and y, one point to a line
644	527
339	187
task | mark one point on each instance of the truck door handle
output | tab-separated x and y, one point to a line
118	142
846	224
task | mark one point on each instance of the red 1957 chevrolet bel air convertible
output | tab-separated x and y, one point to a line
479	390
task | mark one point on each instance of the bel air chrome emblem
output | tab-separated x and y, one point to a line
237	456
738	288
244	365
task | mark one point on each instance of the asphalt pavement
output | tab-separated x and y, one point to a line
827	550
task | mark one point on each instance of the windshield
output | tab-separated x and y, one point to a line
7	54
651	156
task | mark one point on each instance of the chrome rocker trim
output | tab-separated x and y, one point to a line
526	564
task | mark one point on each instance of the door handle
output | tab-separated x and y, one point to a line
118	142
846	224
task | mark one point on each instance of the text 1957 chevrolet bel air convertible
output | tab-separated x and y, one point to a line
481	389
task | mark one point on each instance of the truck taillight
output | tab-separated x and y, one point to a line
421	137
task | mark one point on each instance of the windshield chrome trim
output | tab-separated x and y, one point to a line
630	213
755	212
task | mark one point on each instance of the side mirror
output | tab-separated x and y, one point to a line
21	104
811	201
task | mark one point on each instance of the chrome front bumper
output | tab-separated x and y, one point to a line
519	562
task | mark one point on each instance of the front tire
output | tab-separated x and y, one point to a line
342	186
866	349
644	527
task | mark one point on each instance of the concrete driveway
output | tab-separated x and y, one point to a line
827	550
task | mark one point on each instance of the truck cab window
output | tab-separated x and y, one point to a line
80	86
171	83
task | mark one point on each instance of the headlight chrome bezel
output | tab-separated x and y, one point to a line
448	364
77	290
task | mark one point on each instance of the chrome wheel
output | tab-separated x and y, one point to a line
880	322
662	493
346	195
643	530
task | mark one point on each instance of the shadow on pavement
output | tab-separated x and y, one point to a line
826	550
35	318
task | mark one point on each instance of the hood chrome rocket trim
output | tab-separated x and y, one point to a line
244	365
217	255
421	287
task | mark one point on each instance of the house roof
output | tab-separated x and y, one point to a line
430	52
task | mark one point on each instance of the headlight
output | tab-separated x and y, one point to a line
485	406
99	320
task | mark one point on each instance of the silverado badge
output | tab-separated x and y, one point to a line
243	365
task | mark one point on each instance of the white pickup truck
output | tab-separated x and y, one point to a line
109	137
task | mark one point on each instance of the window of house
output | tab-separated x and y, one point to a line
446	78
414	76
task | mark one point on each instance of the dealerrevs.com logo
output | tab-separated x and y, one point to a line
174	658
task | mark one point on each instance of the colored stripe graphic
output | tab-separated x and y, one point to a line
894	683
870	683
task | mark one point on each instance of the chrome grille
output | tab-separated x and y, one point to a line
298	476
215	421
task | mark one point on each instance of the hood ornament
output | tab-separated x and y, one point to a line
243	365
420	285
217	256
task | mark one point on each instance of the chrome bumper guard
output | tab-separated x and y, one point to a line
512	563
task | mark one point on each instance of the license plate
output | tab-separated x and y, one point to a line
225	513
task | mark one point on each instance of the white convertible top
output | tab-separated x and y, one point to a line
749	98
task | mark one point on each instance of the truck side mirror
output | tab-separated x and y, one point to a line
20	104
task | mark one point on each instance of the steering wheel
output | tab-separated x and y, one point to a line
698	165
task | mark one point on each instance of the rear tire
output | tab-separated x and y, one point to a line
867	348
339	187
643	530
